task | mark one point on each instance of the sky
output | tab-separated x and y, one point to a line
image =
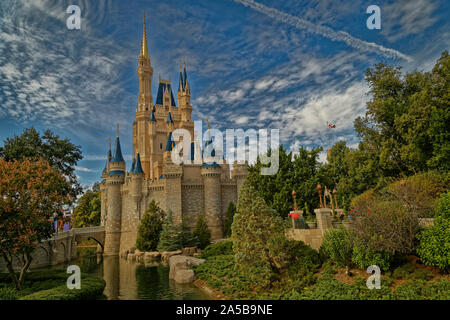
290	65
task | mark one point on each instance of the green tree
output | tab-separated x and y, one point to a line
202	233
170	238
406	123
229	219
150	228
61	154
299	172
187	237
88	211
257	234
31	193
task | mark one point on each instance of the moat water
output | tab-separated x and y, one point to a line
127	280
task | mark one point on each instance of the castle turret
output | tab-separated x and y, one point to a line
211	172
184	96
114	181
239	173
137	177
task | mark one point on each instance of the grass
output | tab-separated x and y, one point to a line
51	285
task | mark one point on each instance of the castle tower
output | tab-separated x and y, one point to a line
239	173
172	174
137	177
184	96
142	141
211	173
114	181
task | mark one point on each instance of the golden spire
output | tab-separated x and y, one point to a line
144	48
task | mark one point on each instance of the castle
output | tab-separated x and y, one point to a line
188	190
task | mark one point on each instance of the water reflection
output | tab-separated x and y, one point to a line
127	280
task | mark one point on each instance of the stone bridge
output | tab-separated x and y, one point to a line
62	247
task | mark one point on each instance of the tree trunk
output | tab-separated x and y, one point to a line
25	265
10	268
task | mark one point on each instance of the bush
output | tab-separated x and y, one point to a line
9	293
202	233
219	248
443	206
150	228
91	289
404	271
434	247
387	227
338	246
363	257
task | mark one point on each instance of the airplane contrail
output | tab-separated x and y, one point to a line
324	31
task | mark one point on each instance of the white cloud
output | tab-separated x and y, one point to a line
324	31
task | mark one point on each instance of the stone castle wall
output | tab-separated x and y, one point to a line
186	197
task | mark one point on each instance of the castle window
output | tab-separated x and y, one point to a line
160	146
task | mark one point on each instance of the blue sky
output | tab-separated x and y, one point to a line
292	65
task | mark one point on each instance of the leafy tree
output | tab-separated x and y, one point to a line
61	154
352	171
406	123
88	211
229	219
187	237
202	233
31	193
299	172
169	239
150	228
434	247
257	234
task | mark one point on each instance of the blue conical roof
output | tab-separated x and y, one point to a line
138	166
170	143
118	157
192	151
169	118
152	117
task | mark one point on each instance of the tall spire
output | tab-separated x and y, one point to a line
118	157
144	48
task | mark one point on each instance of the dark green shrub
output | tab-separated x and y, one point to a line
421	274
363	257
219	248
150	228
434	246
9	293
443	206
301	258
91	289
338	245
422	290
202	233
404	271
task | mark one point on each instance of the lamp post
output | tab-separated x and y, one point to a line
319	190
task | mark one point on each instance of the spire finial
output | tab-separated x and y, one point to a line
207	121
117	130
144	48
